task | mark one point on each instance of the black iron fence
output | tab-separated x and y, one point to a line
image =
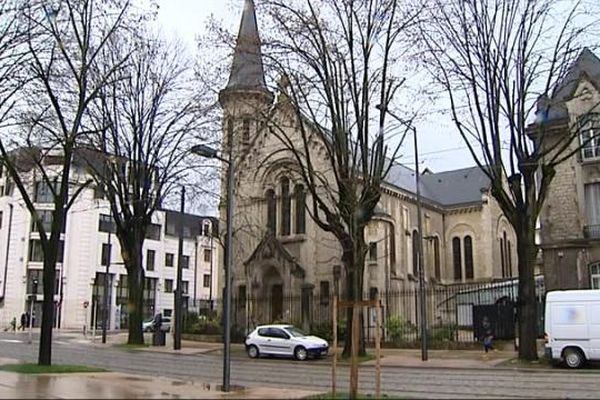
455	313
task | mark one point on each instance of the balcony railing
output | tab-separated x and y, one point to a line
591	231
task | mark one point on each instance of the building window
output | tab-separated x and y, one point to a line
105	254
153	232
169	259
185	287
206	280
415	251
106	223
436	258
207	255
271	211
373	293
590	137
1	219
241	296
185	262
167	312
286	206
595	276
468	243
45	217
300	196
246	130
150	254
456	258
324	293
35	282
372	251
99	192
206	229
168	285
505	256
36	253
43	192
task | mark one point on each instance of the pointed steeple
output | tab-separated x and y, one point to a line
247	72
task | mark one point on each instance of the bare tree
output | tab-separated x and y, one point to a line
146	120
495	59
336	58
62	47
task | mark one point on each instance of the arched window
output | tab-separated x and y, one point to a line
456	258
246	130
468	243
300	196
271	211
229	137
415	251
286	207
509	258
436	258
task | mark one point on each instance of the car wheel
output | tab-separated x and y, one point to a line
253	351
300	353
573	358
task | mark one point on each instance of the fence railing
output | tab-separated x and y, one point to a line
455	313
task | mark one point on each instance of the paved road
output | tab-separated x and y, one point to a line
315	375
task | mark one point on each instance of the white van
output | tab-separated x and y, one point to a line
572	325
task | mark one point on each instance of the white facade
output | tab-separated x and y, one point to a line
82	262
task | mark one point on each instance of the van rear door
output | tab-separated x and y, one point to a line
594	329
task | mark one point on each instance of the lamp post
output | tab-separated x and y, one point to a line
105	312
179	291
421	269
209	152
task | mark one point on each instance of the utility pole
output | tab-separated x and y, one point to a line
178	291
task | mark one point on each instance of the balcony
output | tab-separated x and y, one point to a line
591	231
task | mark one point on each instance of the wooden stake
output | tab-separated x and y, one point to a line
378	350
354	346
334	347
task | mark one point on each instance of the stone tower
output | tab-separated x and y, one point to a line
246	98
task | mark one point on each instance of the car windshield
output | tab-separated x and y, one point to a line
295	332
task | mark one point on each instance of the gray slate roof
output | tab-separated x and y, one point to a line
586	64
449	188
247	68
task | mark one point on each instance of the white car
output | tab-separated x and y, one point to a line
284	340
148	325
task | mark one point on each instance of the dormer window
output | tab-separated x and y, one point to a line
590	137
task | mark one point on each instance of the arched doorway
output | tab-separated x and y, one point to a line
274	285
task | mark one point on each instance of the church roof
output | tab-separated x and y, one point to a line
247	70
449	188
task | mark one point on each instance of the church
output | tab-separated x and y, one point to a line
279	252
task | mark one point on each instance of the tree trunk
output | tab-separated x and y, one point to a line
527	307
354	261
135	281
48	277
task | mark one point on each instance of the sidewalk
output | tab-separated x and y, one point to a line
474	359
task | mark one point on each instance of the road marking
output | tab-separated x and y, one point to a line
12	341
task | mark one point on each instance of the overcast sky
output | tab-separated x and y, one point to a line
440	147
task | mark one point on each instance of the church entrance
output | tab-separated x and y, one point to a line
276	302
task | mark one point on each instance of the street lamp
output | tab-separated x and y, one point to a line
208	152
421	270
179	291
105	313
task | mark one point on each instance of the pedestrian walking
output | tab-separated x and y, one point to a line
23	322
488	341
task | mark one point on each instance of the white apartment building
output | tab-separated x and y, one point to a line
79	287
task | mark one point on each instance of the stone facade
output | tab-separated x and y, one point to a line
570	234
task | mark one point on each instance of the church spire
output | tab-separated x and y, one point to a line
247	71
